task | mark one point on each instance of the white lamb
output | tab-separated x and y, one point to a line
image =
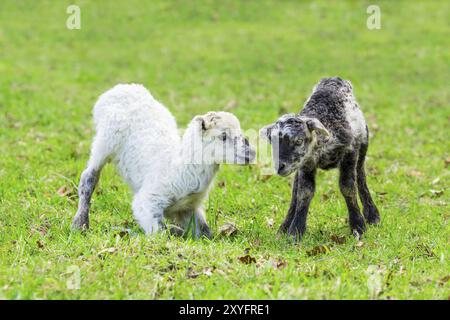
169	175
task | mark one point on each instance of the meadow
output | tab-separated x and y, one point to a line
257	59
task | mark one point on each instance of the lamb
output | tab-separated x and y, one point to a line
169	175
329	132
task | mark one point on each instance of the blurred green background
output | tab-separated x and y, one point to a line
257	59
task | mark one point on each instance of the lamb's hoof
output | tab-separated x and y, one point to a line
291	233
282	230
81	227
206	233
357	235
373	218
358	231
80	223
175	230
295	234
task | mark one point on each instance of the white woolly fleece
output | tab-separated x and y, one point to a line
140	136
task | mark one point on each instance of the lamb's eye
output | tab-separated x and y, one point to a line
223	137
299	142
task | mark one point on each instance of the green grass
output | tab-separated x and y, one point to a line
257	59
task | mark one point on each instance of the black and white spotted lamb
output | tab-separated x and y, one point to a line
329	132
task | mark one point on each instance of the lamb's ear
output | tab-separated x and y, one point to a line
207	121
349	83
266	132
314	125
200	120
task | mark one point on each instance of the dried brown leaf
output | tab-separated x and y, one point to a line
447	162
65	191
228	229
415	173
264	177
41	229
122	233
126	223
318	250
338	239
247	259
444	280
40	244
208	271
110	250
191	274
279	264
374	171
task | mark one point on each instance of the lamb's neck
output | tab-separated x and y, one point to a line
197	177
195	173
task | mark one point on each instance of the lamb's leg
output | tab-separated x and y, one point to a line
148	213
347	184
303	198
291	213
88	181
369	208
201	227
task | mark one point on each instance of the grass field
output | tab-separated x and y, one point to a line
257	59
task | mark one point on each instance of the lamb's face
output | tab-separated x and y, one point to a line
223	140
293	139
